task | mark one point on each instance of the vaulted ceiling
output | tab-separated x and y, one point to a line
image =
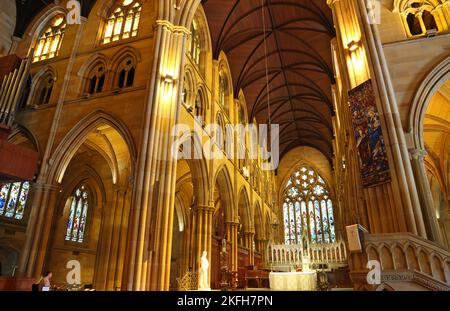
299	67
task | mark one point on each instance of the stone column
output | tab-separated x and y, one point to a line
426	199
38	232
249	235
393	206
203	215
45	183
232	234
150	236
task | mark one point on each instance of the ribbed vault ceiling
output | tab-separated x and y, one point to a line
298	34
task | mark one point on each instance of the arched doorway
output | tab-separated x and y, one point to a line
429	126
436	137
90	221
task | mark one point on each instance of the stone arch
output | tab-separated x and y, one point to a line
244	211
223	180
42	19
45	72
78	135
258	221
430	85
21	135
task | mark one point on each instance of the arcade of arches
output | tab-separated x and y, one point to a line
363	114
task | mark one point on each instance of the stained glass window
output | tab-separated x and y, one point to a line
13	198
307	208
123	22
50	39
76	224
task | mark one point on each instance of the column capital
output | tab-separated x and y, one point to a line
171	27
417	153
331	3
204	208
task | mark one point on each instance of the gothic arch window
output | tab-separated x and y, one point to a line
123	21
50	39
44	89
96	79
13	199
307	208
223	88
78	214
419	17
195	48
198	105
126	73
220	136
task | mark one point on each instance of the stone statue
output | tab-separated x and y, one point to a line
203	283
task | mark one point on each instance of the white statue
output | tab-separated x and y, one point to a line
203	283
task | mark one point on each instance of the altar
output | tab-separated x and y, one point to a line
293	281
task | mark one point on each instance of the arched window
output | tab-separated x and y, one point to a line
220	136
241	113
198	105
223	92
126	72
418	17
50	39
123	22
307	208
44	89
76	225
13	198
96	80
195	49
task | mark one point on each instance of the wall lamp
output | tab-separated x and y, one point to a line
353	46
168	79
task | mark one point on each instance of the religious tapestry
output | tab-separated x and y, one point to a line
373	161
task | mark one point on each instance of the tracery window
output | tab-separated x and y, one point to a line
195	50
419	17
126	73
96	80
44	89
76	224
123	22
307	208
50	39
198	105
13	198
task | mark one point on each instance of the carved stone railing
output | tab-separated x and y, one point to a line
403	257
296	255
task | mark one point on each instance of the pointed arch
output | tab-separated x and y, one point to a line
430	85
223	181
78	135
244	211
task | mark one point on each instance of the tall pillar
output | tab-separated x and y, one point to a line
202	234
249	244
38	233
232	233
393	206
44	188
150	238
426	199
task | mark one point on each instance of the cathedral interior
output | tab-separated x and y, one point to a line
302	144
